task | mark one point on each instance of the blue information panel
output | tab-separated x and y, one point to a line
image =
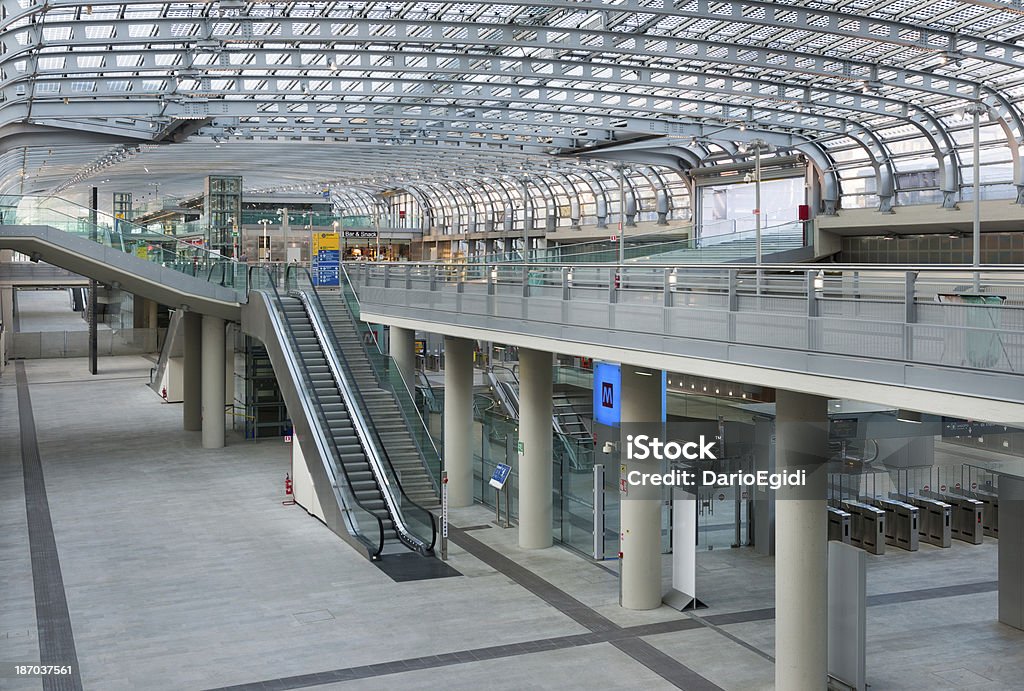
326	272
500	477
607	394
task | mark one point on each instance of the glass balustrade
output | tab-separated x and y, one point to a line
127	237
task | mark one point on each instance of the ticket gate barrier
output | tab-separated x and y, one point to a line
989	510
838	525
901	520
867	526
966	523
934	524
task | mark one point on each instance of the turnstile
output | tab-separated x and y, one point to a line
838	525
901	520
867	526
989	510
966	523
934	524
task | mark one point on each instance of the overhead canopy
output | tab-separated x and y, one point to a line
879	96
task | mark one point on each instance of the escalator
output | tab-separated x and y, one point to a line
354	462
572	434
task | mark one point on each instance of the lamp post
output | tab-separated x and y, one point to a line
757	144
622	215
266	239
975	110
526	227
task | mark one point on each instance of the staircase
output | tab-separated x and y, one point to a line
389	400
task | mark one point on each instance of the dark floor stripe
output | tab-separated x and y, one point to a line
658	662
557	598
664	665
56	640
933	593
614	637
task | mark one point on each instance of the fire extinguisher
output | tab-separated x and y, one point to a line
618	280
163	393
288	491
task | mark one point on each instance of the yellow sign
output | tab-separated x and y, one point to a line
325	242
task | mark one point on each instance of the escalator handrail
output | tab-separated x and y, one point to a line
375	452
315	399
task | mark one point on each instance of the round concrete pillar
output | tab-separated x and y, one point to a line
640	508
192	373
402	347
801	544
213	382
458	419
535	461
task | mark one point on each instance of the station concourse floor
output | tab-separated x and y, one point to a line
182	570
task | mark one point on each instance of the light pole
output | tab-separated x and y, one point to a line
266	239
757	144
976	109
526	227
622	215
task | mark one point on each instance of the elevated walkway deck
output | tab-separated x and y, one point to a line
165	283
899	336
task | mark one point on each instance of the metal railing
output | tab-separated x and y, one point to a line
931	315
124	236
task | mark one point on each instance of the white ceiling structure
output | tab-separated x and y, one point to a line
368	96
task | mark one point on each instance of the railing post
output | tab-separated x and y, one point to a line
667	286
565	283
433	277
812	308
387	276
460	280
909	314
734	303
812	294
526	279
492	278
613	279
408	277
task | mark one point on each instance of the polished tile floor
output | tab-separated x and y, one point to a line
182	570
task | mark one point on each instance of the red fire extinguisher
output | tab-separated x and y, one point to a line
288	491
163	393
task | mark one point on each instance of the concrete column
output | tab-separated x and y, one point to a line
138	310
192	377
458	419
213	382
535	462
402	346
7	311
640	509
229	365
801	544
151	314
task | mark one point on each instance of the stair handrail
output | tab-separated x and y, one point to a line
315	399
408	390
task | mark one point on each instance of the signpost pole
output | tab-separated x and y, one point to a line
508	503
444	515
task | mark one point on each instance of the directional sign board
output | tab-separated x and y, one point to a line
500	477
326	255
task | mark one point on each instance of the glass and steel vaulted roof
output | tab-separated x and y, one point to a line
877	94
